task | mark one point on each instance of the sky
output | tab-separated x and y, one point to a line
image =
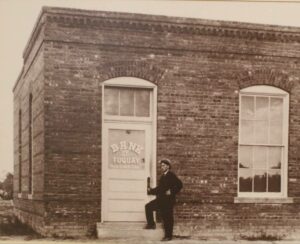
17	18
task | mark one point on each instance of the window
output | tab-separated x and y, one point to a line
121	101
30	173
263	137
20	151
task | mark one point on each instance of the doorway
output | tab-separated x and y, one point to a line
128	147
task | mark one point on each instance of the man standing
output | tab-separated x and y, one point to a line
168	186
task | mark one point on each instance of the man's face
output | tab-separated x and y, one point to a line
164	167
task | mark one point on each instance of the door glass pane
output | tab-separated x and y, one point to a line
261	131
142	103
126	102
126	149
245	180
111	101
260	158
260	181
247	131
275	158
274	181
245	157
262	105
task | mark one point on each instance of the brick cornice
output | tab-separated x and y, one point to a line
151	23
156	23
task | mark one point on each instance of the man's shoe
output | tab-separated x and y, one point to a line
166	239
150	227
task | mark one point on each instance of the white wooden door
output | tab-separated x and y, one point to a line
127	164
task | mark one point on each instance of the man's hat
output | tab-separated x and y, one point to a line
166	161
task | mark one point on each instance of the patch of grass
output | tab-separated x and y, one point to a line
262	236
18	229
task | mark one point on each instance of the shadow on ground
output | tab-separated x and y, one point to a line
16	228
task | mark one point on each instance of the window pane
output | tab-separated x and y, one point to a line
245	157
275	158
274	181
126	101
276	110
261	131
276	117
275	132
247	107
142	103
262	105
245	180
260	158
247	131
111	101
260	181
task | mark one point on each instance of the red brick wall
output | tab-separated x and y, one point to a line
199	66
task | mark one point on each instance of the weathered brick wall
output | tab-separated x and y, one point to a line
199	67
6	212
237	221
30	209
73	141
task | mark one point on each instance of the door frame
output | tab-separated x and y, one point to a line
107	120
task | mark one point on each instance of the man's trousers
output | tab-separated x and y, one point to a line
165	207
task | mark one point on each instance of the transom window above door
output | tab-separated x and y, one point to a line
129	99
263	137
123	101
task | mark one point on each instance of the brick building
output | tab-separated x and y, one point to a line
103	96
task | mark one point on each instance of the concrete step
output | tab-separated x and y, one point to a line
118	230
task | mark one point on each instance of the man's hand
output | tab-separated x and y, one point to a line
168	192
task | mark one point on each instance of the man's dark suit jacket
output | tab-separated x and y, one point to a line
168	181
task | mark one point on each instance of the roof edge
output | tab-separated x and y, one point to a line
155	19
171	19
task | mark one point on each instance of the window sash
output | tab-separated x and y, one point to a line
129	103
260	160
281	116
259	124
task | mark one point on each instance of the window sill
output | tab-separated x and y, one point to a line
19	195
30	196
263	200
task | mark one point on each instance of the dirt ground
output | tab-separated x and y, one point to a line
28	240
17	233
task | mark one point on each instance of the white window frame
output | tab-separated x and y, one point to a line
268	91
131	82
